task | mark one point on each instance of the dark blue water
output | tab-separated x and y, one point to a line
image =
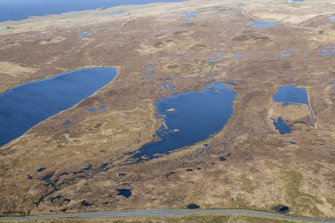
124	192
41	169
281	126
291	94
189	118
283	209
261	25
22	9
192	206
27	105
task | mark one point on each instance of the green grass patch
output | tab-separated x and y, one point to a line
301	202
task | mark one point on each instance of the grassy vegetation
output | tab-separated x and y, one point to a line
331	201
181	219
248	184
301	202
240	202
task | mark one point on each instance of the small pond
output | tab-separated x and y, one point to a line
261	25
281	126
283	209
124	192
29	104
85	34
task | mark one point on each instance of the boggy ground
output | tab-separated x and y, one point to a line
85	161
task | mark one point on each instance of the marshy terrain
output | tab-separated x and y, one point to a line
267	66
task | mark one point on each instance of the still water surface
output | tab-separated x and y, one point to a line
189	118
27	105
22	9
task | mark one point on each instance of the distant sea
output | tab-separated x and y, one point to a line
22	9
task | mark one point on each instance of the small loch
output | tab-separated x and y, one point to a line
291	94
265	24
29	104
196	116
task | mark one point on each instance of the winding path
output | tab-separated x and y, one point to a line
166	213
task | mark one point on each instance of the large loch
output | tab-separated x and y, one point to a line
29	104
188	118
